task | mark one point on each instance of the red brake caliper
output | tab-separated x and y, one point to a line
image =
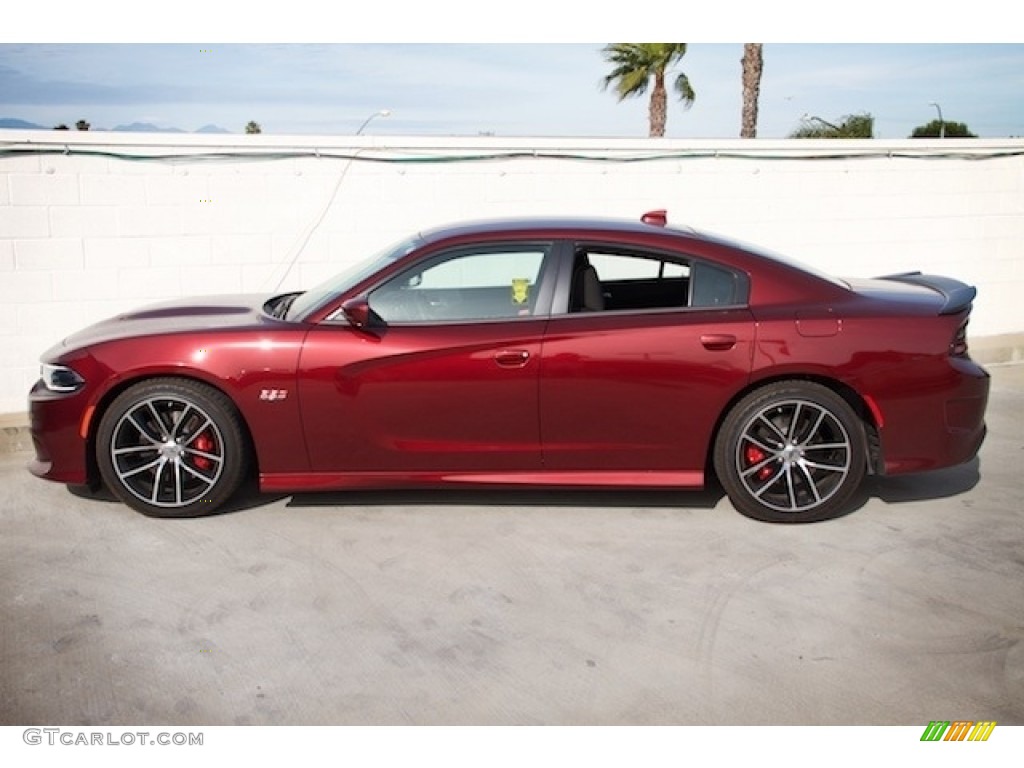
203	443
755	455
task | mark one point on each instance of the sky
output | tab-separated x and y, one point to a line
476	83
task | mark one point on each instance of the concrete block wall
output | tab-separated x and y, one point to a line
92	224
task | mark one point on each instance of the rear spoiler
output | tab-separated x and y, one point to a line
958	295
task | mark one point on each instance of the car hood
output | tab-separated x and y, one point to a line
179	316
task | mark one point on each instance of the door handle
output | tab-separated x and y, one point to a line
718	341
512	358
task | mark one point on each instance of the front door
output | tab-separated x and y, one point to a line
444	381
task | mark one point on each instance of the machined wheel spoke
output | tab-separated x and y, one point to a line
197	432
205	455
814	429
794	423
144	468
158	419
135	449
143	432
826	467
789	486
810	482
759	466
764	488
179	420
177	482
162	462
826	446
772	449
196	473
773	428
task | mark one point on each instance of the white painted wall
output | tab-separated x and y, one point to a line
95	223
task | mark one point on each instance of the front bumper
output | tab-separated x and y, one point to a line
56	425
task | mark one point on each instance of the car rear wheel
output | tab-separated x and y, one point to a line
171	448
791	452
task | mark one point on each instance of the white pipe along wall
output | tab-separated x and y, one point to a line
95	223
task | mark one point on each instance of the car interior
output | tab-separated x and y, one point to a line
610	280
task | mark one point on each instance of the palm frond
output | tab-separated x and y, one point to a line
638	66
685	90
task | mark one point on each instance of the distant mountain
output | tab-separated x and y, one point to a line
150	128
146	128
15	123
11	122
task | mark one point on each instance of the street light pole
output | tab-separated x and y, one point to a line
942	123
366	122
808	118
826	122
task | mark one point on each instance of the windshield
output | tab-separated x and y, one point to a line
348	279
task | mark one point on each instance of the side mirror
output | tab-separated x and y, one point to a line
357	312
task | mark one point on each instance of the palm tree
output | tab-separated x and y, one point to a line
637	65
753	63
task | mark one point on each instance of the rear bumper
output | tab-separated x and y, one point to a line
941	423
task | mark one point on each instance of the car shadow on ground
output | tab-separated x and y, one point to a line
890	490
245	498
515	497
922	486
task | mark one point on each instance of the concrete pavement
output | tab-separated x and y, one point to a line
522	608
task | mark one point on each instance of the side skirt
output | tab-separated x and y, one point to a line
332	481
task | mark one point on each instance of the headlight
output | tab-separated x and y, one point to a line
60	378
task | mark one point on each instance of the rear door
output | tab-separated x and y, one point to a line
637	380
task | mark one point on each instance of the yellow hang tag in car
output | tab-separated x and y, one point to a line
520	290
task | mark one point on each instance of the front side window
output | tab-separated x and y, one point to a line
483	283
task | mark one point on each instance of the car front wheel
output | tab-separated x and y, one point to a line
171	448
791	452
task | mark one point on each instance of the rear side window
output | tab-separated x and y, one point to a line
715	286
621	267
609	279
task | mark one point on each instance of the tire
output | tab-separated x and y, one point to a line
791	452
172	448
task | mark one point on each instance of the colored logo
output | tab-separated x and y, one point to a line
958	730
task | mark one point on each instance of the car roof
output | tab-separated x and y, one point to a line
550	224
653	224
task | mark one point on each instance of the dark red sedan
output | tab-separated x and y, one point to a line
572	353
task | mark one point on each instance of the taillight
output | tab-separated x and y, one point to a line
958	346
